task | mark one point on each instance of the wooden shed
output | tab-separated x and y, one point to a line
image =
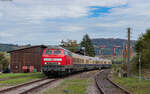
30	57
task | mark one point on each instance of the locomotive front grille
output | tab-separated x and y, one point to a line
51	63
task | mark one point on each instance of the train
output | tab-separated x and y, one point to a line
59	61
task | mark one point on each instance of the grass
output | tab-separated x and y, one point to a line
15	75
71	86
19	78
133	85
119	59
74	86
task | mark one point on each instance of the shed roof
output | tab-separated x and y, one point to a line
42	46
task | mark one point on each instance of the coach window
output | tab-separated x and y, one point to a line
104	62
69	54
97	62
82	60
75	60
87	61
65	52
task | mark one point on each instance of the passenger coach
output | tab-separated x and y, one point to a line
59	61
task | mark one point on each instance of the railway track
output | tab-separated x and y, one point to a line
27	88
106	86
33	86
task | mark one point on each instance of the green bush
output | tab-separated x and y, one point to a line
4	61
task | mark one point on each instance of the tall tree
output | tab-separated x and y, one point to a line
89	48
142	48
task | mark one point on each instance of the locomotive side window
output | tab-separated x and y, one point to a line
67	53
48	52
57	52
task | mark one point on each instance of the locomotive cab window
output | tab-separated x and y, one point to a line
69	54
48	52
57	52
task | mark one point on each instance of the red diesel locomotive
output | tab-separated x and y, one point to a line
56	61
59	61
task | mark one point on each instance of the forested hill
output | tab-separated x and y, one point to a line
10	47
110	43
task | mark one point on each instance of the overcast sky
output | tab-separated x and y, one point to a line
50	21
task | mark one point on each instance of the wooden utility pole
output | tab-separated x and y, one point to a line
140	68
128	69
124	53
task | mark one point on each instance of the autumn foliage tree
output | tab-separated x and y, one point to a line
4	61
70	45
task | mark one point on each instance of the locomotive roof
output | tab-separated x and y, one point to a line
57	47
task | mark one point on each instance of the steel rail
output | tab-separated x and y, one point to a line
98	86
37	87
20	85
101	90
126	91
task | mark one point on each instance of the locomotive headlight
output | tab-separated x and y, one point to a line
59	63
52	59
47	59
45	63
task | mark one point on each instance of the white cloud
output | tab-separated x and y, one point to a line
1	15
113	24
39	9
49	21
3	34
105	3
72	28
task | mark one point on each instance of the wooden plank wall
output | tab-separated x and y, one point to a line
26	57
